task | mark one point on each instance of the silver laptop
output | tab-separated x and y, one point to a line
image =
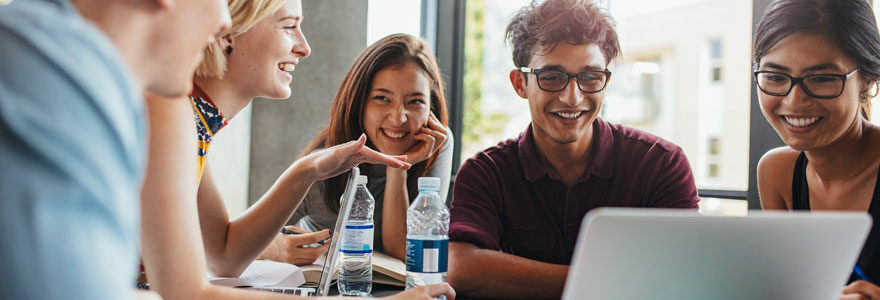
678	254
342	217
328	269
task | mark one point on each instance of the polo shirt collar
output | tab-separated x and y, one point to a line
602	164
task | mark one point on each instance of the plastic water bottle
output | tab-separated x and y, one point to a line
356	245
427	236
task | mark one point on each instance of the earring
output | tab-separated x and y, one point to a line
228	50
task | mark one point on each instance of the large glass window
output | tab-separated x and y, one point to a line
492	111
691	87
684	76
386	17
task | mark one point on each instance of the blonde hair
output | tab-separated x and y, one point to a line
245	14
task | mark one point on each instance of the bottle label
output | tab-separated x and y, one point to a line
357	239
427	256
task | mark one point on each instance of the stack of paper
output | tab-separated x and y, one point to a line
265	273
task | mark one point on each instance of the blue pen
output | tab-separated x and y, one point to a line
288	231
861	274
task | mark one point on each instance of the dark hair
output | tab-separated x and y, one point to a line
347	110
850	24
575	22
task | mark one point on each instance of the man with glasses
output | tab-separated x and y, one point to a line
517	207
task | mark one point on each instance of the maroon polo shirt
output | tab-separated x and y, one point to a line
504	199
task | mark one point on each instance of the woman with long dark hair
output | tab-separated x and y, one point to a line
393	93
817	65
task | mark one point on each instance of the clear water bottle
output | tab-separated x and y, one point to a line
356	245
427	236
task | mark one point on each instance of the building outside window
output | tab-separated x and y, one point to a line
691	87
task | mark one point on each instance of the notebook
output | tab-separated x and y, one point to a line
268	275
678	254
387	270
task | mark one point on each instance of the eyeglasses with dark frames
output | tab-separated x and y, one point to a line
554	80
821	86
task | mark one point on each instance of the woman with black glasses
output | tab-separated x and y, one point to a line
817	65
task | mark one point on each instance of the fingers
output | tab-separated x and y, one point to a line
422	150
352	147
322	235
374	157
296	229
436	129
318	251
299	255
439	138
305	239
861	289
429	292
434	122
442	289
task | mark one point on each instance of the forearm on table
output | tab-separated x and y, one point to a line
395	204
251	232
480	272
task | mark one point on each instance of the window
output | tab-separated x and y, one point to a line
713	158
386	17
674	85
715	60
492	111
671	85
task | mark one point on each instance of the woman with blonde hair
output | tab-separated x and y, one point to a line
393	93
252	59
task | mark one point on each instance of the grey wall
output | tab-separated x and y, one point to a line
337	33
762	136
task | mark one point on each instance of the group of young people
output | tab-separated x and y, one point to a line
98	102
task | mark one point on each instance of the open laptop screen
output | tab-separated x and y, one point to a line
640	253
344	208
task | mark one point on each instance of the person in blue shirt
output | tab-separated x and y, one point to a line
73	135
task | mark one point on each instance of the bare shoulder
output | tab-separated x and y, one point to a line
778	159
775	171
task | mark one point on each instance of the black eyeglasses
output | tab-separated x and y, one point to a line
822	86
555	80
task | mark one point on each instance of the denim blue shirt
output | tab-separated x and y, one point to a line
72	154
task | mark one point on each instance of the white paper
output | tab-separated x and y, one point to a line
265	273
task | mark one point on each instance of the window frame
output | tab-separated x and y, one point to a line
443	26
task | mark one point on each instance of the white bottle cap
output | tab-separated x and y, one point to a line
429	183
361	179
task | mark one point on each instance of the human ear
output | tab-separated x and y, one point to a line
517	80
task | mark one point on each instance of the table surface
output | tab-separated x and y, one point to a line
381	290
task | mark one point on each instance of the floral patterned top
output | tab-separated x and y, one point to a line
209	121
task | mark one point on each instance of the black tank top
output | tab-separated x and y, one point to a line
869	259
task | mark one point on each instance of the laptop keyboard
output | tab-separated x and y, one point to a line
288	291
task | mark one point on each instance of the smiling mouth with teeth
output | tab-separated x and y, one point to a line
394	135
800	122
286	67
569	115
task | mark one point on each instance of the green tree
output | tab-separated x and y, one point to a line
476	123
